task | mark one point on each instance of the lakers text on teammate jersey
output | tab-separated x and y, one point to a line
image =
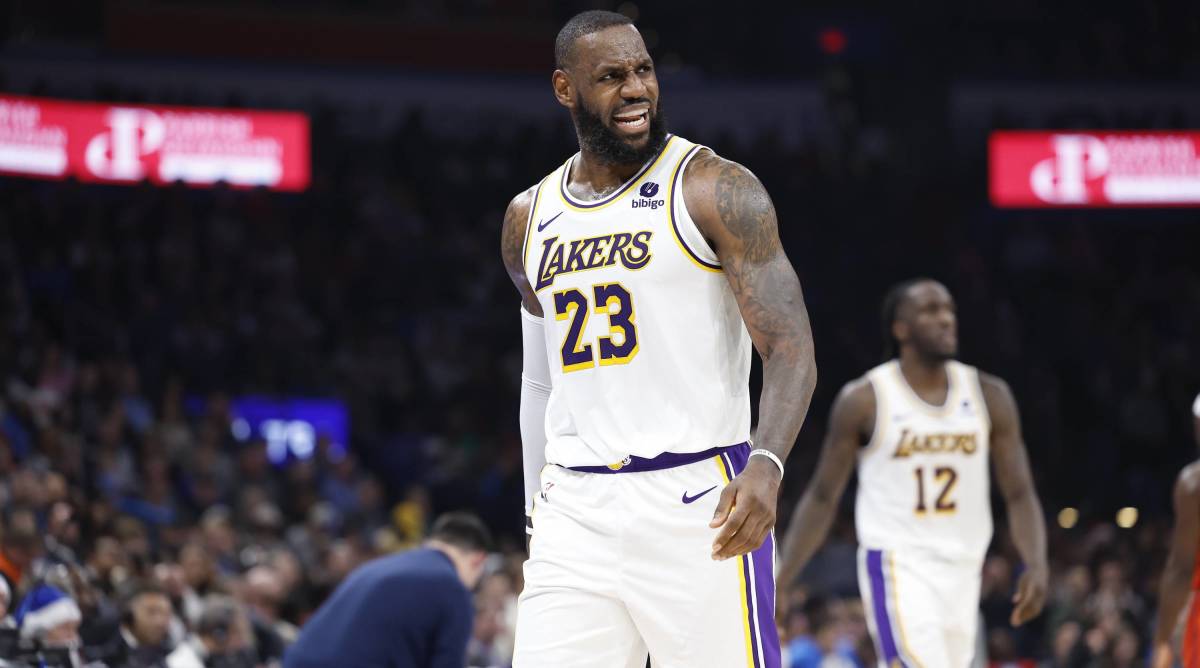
566	257
916	444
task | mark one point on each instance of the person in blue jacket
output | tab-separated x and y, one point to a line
406	610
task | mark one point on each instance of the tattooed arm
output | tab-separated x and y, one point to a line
736	216
512	248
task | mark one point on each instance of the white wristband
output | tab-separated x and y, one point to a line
769	455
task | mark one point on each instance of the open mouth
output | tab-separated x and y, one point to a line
633	123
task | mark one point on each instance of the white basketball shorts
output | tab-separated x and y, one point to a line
922	611
621	566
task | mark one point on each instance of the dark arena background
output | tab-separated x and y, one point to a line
255	329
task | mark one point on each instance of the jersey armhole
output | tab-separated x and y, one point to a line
880	412
684	229
975	383
537	196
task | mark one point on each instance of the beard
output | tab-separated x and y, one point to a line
611	148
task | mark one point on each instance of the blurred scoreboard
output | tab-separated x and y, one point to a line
1094	169
117	143
291	427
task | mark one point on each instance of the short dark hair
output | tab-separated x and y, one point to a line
462	530
891	305
220	614
584	23
139	588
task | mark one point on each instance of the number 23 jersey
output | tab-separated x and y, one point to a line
647	348
923	479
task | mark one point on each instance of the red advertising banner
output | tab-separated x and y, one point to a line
1094	169
117	143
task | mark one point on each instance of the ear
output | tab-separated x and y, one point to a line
900	331
564	91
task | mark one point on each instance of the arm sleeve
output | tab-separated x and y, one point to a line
535	392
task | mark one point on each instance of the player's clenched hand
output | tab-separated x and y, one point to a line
1030	596
746	511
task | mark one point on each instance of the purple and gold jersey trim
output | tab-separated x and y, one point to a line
676	177
579	205
667	460
537	196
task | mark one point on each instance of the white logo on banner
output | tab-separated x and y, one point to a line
117	154
1062	179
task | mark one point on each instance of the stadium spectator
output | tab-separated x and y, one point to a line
261	589
223	638
144	635
49	619
20	544
49	616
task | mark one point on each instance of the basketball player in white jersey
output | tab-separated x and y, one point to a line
922	428
647	267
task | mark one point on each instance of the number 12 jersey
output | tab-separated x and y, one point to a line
923	479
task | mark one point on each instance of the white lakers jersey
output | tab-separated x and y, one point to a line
648	351
923	479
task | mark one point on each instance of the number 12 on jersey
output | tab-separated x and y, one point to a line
944	475
610	299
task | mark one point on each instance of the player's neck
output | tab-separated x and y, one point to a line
924	374
600	176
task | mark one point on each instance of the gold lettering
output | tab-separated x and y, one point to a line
910	444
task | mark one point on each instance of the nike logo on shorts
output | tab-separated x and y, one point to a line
544	225
689	499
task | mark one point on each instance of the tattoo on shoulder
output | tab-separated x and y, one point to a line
512	240
512	248
746	210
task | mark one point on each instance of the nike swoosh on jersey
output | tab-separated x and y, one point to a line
689	499
544	225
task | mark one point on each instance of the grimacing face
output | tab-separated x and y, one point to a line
928	321
611	88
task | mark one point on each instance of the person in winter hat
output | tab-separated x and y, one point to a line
50	617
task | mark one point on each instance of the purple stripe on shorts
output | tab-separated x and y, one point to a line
667	460
738	456
764	586
883	622
763	599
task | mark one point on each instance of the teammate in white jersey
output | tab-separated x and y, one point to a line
922	428
647	267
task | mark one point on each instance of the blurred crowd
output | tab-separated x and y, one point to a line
133	535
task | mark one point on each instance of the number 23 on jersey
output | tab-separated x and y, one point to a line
611	300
